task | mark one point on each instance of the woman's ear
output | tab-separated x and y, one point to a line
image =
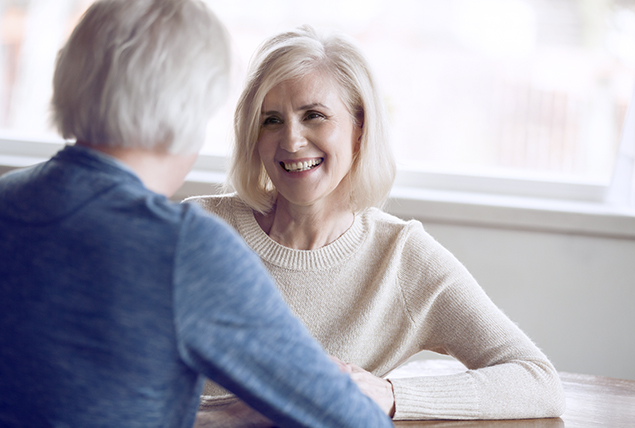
359	128
359	131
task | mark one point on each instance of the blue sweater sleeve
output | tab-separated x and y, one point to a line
234	327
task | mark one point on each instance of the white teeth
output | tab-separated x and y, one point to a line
301	166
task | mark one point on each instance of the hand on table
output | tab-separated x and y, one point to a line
378	389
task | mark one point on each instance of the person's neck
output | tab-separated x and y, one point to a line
305	227
161	172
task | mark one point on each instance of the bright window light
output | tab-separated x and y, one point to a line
516	88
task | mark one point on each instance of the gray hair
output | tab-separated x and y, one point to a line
292	55
143	74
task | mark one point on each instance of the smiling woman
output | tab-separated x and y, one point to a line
372	288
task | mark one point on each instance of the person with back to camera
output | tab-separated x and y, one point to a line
311	162
116	301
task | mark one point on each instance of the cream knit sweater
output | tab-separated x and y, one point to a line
386	290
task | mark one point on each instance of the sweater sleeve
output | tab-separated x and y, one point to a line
508	377
234	327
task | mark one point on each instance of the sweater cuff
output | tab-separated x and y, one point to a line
435	397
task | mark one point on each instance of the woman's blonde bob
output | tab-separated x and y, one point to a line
290	56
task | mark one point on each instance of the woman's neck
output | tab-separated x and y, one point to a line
305	228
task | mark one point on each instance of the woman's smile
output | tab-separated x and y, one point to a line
302	165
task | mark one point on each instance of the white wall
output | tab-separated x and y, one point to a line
574	295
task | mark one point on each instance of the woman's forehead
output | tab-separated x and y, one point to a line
317	87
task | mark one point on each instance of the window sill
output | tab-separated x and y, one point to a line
511	212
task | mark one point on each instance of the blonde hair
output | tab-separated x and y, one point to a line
292	55
144	74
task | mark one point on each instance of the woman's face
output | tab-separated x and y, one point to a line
307	141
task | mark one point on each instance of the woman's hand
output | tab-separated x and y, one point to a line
378	389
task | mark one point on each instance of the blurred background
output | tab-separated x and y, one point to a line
531	87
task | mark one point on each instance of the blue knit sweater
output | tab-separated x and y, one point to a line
114	302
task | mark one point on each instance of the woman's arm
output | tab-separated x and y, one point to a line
508	377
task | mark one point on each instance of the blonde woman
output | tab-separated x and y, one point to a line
310	165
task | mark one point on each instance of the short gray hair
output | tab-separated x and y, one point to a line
143	74
292	55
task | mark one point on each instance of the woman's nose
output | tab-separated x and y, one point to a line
293	138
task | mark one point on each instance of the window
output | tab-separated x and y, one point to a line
531	89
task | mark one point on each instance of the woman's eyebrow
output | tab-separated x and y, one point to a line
301	108
311	105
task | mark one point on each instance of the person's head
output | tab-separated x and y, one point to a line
291	56
141	74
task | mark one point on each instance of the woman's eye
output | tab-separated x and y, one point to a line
314	115
271	120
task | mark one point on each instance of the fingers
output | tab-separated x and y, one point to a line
378	389
347	367
355	368
344	367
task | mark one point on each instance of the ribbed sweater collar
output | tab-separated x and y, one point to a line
312	260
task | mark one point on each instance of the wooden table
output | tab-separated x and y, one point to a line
592	401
